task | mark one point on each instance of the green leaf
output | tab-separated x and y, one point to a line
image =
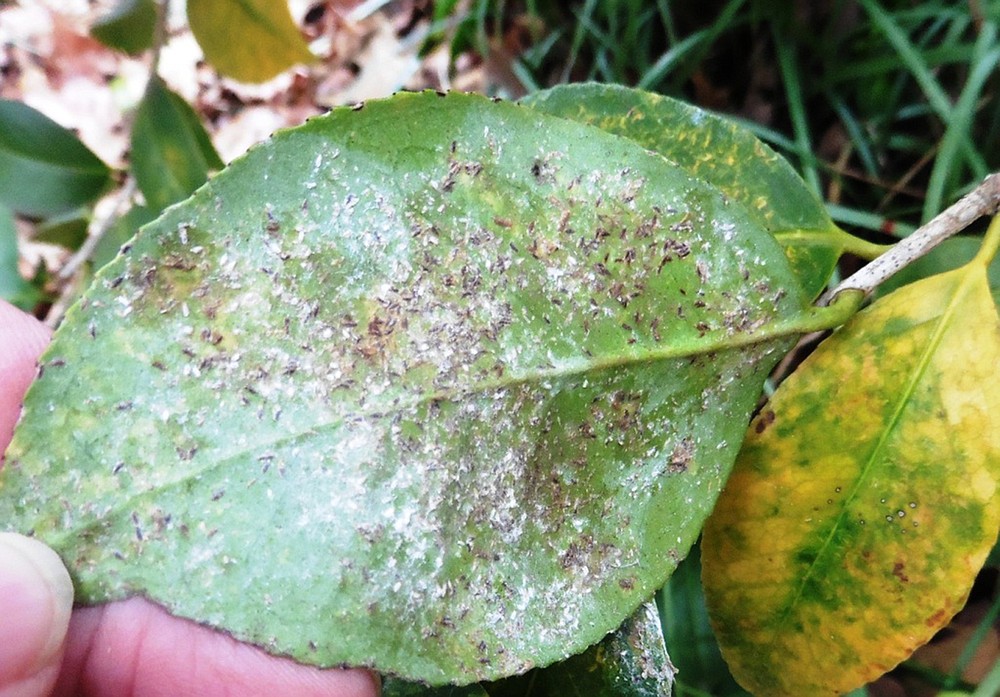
392	687
865	498
632	661
718	151
44	169
449	402
172	154
248	40
14	288
129	27
68	230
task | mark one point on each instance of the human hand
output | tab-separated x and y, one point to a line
126	648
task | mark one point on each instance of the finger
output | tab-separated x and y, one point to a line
22	339
135	649
36	597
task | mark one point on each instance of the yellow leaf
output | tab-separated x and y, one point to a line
864	500
248	40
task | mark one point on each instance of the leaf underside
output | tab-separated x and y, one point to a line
632	661
864	500
426	386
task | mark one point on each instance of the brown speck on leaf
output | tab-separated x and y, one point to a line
898	570
765	419
681	456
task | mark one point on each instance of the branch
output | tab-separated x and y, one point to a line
983	200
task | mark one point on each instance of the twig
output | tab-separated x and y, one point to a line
100	228
983	200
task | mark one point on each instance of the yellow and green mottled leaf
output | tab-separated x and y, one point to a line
864	500
248	40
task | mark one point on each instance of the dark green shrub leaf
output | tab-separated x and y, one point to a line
44	169
440	386
248	40
721	153
129	27
14	288
171	152
68	230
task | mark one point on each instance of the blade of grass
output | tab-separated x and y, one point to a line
796	107
867	221
693	53
972	645
582	22
946	165
990	686
855	131
914	62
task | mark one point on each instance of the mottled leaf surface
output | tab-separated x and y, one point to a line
44	169
438	385
720	152
248	40
632	661
864	500
393	687
172	154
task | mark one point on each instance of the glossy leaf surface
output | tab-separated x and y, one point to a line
718	151
44	169
171	152
447	400
129	27
248	40
864	500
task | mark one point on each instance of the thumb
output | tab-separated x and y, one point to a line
36	598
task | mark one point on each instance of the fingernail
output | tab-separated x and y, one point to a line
36	599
